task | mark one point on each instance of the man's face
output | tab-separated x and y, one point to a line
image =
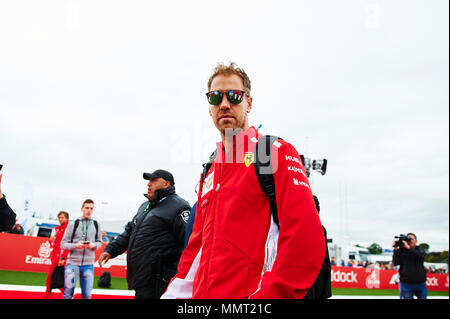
154	184
413	242
62	219
87	210
227	115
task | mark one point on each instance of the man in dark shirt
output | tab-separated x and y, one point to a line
412	271
154	239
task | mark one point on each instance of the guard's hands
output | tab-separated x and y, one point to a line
80	245
104	257
406	245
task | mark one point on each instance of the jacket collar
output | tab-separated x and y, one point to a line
63	225
240	142
161	194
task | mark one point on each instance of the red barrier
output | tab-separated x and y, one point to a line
26	253
349	277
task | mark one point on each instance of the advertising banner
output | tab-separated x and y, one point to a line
26	253
349	277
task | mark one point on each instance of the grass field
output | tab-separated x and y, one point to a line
38	279
377	292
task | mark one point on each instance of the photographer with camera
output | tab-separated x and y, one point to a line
412	271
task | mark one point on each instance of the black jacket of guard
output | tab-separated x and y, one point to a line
7	215
411	265
153	239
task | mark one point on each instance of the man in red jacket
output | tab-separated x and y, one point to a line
57	256
236	250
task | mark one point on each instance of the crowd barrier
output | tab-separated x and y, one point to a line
25	253
350	277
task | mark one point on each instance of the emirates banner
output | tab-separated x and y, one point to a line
26	253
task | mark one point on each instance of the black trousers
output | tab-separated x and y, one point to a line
153	291
146	292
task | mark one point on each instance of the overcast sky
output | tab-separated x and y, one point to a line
94	93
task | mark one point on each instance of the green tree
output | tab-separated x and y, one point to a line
444	256
425	247
437	257
375	249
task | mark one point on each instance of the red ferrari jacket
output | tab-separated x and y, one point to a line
236	250
57	253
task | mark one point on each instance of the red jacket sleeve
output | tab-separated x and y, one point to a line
58	238
301	244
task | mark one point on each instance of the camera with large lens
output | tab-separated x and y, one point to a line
400	239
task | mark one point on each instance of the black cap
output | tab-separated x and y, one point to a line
160	173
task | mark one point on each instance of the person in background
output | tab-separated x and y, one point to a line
190	224
57	256
17	229
333	261
82	237
154	238
410	258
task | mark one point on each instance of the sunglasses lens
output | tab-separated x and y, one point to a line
235	97
214	97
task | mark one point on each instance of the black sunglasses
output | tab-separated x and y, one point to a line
234	96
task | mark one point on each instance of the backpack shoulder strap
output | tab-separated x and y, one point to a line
77	221
263	168
207	165
96	229
75	226
264	173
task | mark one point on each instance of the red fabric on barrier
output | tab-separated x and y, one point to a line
16	294
26	253
349	277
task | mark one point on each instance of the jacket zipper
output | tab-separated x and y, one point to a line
218	168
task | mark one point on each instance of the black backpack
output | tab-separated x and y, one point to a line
57	278
105	280
321	288
75	226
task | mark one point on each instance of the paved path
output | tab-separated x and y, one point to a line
37	292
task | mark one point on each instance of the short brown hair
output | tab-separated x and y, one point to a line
222	69
87	201
66	214
412	234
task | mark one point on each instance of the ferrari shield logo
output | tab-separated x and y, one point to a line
249	158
